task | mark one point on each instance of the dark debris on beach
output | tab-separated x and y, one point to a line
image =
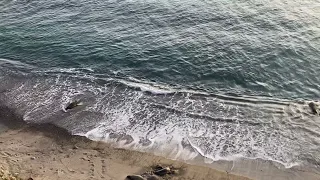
157	172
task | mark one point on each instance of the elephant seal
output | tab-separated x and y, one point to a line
73	104
314	108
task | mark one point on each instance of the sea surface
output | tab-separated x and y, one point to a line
182	78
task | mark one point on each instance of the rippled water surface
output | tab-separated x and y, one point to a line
220	79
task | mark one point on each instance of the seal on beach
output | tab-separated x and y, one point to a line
314	108
73	104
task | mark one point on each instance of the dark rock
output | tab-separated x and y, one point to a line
73	104
313	108
162	172
158	167
135	177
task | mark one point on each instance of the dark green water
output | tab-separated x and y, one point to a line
221	78
269	48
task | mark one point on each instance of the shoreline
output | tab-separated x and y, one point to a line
49	152
22	143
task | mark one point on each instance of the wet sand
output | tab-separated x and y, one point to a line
48	152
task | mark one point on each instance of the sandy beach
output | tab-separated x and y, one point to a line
182	89
47	152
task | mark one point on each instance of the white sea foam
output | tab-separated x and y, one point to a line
15	63
175	125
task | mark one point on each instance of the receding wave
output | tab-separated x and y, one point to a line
178	123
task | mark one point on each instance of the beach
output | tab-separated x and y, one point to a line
48	152
215	89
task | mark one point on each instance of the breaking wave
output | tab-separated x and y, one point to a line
168	121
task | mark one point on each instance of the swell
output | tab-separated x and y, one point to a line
155	41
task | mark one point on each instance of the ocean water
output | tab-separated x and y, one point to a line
180	78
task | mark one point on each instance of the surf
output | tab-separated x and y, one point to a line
177	123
